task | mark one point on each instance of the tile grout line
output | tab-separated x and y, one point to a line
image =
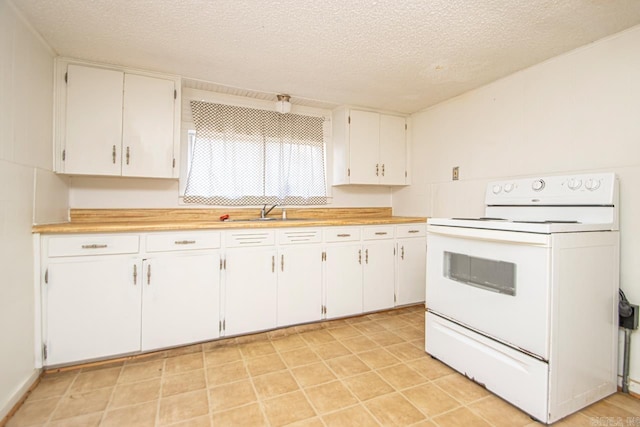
113	392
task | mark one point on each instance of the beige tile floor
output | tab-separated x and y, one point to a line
364	371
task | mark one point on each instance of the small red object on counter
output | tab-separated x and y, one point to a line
223	217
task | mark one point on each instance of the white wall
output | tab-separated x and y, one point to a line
26	91
578	112
117	193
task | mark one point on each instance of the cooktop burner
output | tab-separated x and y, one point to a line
548	221
484	218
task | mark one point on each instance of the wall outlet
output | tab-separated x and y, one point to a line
455	173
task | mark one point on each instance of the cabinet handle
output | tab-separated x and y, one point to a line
414	231
94	246
344	235
383	169
402	252
129	155
135	274
359	256
113	154
185	242
366	256
282	262
377	169
381	233
273	263
149	274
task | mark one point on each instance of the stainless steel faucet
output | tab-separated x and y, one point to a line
264	212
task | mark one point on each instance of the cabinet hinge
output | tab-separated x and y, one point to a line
394	251
395	299
219	325
324	256
64	155
175	94
45	353
220	263
224	264
405	126
349	120
349	172
66	77
405	174
46	276
174	163
224	324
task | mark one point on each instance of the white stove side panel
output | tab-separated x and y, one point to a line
584	336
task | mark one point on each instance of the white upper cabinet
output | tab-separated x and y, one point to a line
114	122
94	121
147	133
369	148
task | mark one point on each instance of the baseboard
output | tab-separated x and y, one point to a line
19	397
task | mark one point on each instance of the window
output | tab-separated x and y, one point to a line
247	156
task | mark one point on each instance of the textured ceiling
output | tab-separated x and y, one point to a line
396	55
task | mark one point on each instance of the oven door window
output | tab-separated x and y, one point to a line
492	275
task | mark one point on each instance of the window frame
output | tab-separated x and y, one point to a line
187	126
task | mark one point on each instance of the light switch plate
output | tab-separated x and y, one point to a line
455	173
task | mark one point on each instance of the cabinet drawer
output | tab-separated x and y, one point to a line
92	245
342	234
183	241
411	230
377	233
299	235
234	239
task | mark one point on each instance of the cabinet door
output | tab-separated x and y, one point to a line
250	290
299	284
148	134
93	134
392	150
412	261
364	137
180	299
92	308
379	275
343	280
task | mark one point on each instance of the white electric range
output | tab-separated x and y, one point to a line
524	300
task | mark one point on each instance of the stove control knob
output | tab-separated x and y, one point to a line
496	189
508	188
574	183
592	184
537	185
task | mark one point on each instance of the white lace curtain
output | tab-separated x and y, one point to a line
246	156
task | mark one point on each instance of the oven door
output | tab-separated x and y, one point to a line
494	282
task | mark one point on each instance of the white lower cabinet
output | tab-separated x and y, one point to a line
412	264
299	284
250	290
343	280
379	275
122	293
91	308
180	302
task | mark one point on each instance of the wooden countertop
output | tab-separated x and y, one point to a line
130	220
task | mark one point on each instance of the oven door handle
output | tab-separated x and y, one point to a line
501	236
